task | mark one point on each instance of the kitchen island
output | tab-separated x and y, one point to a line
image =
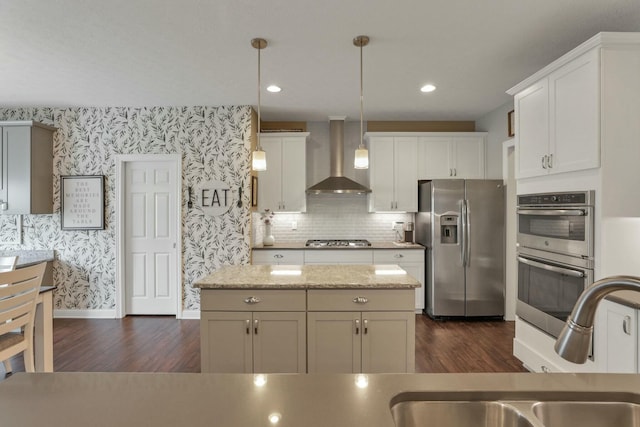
307	318
239	400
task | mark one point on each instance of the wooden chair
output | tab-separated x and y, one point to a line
8	263
17	311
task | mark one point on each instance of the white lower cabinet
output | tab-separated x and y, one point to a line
338	256
616	337
343	340
412	261
535	349
276	257
237	338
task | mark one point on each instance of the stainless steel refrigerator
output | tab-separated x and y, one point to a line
461	223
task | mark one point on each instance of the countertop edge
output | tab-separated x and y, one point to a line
284	246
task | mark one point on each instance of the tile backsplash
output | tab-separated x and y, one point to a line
332	217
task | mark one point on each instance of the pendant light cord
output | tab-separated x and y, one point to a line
258	147
361	102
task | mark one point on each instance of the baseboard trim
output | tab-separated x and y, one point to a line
190	314
84	314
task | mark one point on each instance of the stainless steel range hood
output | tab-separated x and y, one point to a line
337	183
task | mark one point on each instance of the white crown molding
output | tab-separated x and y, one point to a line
605	39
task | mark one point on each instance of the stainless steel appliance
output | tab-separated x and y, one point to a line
555	256
557	222
321	243
461	223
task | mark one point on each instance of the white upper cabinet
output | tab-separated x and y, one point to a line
574	116
452	156
532	129
558	120
282	186
393	173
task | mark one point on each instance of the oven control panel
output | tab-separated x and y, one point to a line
581	198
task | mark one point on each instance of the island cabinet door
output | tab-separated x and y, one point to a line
334	344
279	342
388	342
226	342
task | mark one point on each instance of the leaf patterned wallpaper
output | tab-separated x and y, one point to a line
215	145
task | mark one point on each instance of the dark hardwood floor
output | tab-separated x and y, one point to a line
164	344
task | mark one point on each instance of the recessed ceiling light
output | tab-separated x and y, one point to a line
274	88
427	88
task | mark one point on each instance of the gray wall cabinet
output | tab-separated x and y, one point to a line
26	168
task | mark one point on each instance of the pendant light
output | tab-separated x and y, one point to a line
361	159
258	157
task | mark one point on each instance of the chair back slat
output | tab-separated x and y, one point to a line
10	307
18	287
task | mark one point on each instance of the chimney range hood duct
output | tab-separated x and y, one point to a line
337	183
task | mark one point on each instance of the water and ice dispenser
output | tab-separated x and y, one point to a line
449	229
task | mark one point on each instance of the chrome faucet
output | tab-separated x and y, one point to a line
574	341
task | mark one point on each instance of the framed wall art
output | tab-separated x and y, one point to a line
82	202
254	191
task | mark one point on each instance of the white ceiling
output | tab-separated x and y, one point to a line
198	52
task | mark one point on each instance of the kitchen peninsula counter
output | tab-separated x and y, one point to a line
232	400
308	277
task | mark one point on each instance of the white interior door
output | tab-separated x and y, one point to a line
150	237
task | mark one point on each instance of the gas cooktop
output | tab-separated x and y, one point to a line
321	243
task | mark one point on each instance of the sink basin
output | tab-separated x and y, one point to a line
458	414
587	414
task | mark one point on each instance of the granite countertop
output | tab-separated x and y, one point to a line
308	277
73	399
628	298
28	258
374	245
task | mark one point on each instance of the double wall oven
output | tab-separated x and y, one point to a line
555	256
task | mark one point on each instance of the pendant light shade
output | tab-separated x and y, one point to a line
361	159
259	160
258	157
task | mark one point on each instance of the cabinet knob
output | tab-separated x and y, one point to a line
256	322
252	300
360	300
365	325
357	324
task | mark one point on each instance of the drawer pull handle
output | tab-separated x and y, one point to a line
357	323
398	256
252	300
278	256
361	300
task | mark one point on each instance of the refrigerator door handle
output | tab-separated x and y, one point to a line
467	238
463	233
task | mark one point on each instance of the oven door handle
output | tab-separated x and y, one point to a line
555	269
553	212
